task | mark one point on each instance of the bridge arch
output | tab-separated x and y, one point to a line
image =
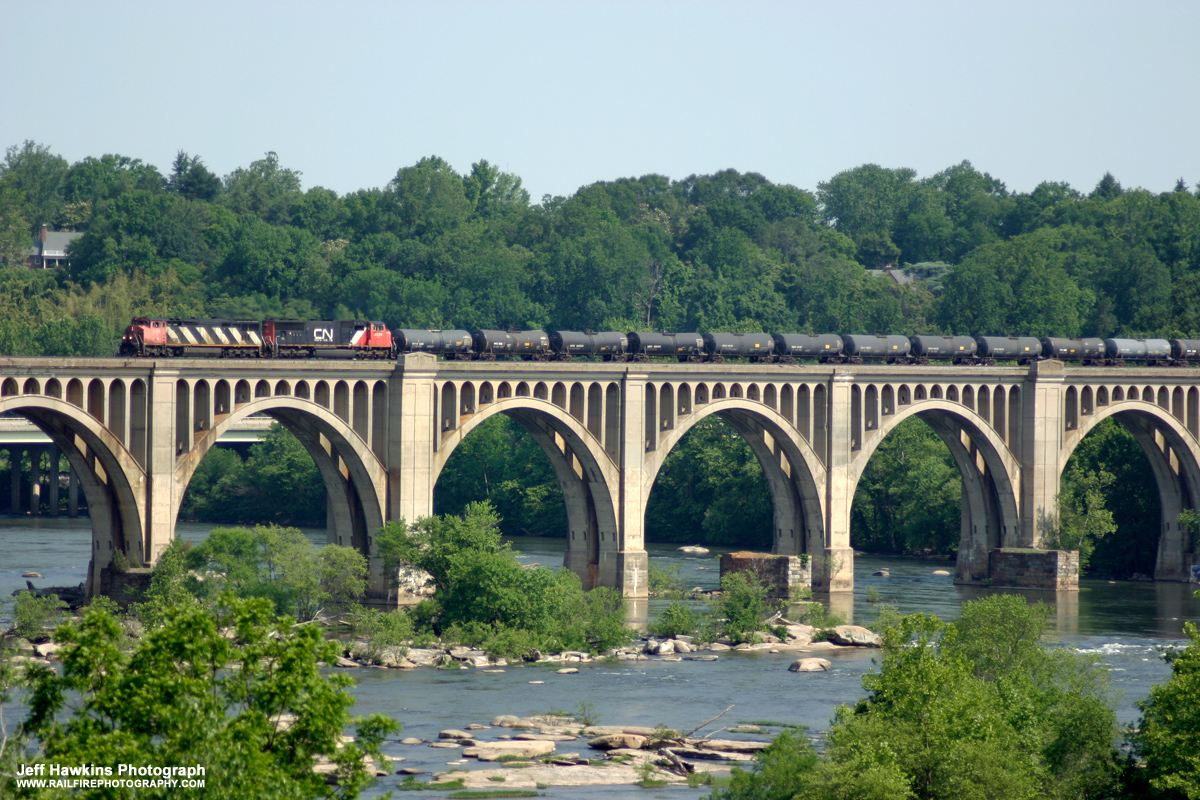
355	478
1174	456
990	490
111	478
796	476
586	474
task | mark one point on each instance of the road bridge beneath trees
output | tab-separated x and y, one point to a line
135	430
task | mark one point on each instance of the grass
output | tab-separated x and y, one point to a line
469	795
496	778
411	784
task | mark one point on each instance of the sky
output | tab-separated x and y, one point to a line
567	94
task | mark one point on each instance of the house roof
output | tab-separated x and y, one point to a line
56	243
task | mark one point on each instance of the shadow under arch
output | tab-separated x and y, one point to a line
116	493
795	475
355	479
990	493
586	475
1176	469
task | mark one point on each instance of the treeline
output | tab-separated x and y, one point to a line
730	251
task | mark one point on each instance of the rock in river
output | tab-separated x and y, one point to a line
810	665
854	635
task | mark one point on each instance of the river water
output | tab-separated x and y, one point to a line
1125	623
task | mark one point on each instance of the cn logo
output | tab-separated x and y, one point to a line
323	334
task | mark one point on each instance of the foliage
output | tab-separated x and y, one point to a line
665	581
280	564
677	619
907	500
1083	519
33	614
980	708
189	695
1168	738
742	607
226	489
383	630
484	597
711	489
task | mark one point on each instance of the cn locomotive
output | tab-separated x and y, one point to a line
230	338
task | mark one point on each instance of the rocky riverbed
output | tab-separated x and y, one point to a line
552	750
799	638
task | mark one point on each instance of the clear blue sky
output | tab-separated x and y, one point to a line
566	94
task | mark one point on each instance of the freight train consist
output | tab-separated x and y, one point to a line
229	338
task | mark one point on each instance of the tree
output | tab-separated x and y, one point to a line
186	695
428	199
38	175
492	191
191	179
1083	519
1168	738
265	189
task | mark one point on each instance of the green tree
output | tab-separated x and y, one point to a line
1168	738
187	695
1083	518
265	189
191	179
38	174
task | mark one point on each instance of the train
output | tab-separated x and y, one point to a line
370	339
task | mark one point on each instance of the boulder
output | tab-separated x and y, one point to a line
728	745
614	741
666	648
719	647
854	635
494	751
47	649
446	745
411	740
700	658
346	663
606	730
544	737
809	665
882	573
567	670
940	572
454	734
682	646
31	574
800	634
694	549
475	726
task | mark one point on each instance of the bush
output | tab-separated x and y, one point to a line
483	597
1168	738
33	614
677	619
383	631
742	606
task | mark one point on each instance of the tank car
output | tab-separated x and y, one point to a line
1150	351
1184	351
227	338
890	349
456	344
683	346
826	347
337	338
530	345
609	345
754	346
1024	349
958	349
1088	351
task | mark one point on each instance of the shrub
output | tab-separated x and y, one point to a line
383	631
33	614
677	619
742	606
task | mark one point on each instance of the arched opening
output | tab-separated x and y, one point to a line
53	388
283	389
221	398
735	477
939	482
32	386
303	391
908	500
546	476
262	389
1129	476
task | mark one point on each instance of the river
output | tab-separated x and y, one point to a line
1124	623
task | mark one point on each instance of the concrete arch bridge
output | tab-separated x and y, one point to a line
134	431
